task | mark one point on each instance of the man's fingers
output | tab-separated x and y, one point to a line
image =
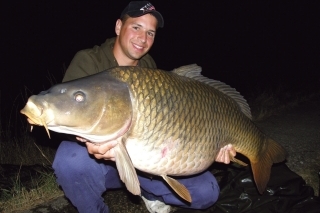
81	139
105	157
221	155
102	151
92	149
231	150
225	153
226	156
100	148
103	148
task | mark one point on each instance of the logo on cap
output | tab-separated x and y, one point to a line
147	8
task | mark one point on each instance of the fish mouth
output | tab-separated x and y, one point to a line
38	122
35	116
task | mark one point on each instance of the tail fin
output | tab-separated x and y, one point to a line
274	153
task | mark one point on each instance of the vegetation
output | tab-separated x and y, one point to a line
19	147
23	192
266	103
21	197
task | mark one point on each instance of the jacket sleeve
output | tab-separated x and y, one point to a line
81	65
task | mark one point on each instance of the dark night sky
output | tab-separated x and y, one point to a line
243	43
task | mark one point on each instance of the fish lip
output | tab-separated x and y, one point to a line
34	113
30	121
33	118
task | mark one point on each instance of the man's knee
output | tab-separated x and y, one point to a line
206	193
71	159
206	197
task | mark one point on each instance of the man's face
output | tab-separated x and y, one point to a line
136	35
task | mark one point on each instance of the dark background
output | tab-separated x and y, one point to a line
250	45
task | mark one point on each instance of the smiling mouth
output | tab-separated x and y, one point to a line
138	47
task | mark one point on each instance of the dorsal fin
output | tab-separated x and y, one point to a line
194	71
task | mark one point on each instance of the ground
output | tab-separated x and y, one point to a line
296	129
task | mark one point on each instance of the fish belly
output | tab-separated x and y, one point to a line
168	158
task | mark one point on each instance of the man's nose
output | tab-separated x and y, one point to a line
143	37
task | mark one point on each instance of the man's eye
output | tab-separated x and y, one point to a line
136	28
150	34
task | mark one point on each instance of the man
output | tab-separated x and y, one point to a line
82	177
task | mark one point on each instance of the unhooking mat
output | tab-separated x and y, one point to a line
286	192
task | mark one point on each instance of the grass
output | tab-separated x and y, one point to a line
15	136
22	149
19	147
274	101
25	151
19	197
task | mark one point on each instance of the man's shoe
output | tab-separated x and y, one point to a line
156	206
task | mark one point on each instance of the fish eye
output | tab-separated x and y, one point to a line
79	96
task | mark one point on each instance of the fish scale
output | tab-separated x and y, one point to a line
166	123
179	118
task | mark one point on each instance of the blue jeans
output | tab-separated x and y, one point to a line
84	179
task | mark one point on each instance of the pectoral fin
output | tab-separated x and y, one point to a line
126	169
179	188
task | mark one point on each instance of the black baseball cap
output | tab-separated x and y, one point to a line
140	8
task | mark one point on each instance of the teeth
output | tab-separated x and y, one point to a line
138	47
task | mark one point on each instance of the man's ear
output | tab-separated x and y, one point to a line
118	26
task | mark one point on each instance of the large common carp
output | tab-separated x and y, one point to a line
166	123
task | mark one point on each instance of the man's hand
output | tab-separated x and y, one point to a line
101	151
225	154
104	151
